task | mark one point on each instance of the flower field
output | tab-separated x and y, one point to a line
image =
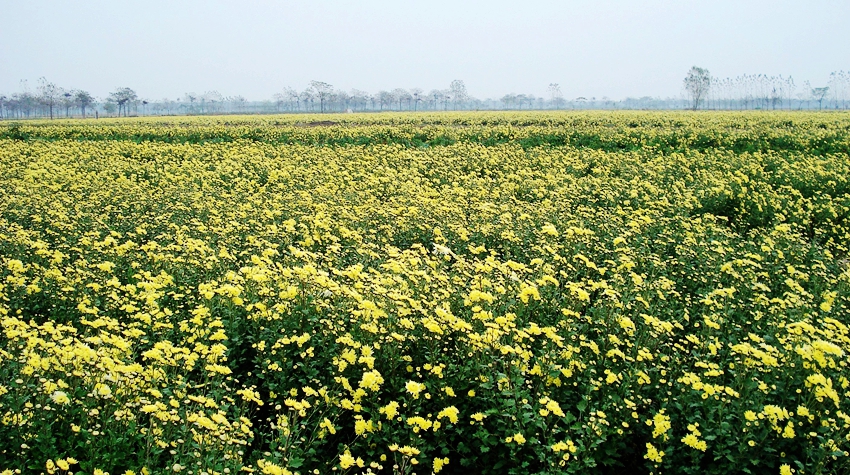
454	293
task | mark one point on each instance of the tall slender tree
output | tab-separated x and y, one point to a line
49	92
458	92
323	92
697	83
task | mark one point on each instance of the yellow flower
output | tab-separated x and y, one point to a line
361	426
439	463
390	410
414	388
408	451
451	413
327	424
60	397
653	454
788	432
372	380
549	229
269	468
346	460
662	425
691	440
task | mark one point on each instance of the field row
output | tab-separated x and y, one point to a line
468	308
810	133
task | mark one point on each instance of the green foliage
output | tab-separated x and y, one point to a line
471	293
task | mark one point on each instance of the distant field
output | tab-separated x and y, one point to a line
417	293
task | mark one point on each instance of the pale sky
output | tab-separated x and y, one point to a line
616	48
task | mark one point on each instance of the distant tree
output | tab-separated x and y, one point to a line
49	93
308	97
839	88
458	92
123	97
401	95
190	98
67	101
323	91
435	96
22	103
522	99
279	101
291	97
359	98
697	83
83	100
819	93
343	100
110	106
446	95
385	98
556	96
416	93
211	101
239	103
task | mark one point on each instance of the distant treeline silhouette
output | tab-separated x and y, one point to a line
700	91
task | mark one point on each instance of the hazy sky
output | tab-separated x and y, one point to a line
614	48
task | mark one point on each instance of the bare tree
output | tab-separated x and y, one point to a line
307	97
435	96
291	97
190	98
556	96
818	94
49	92
416	93
401	95
385	98
323	91
279	101
697	83
839	88
458	92
238	103
211	101
359	97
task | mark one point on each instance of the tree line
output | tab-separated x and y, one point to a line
700	91
760	91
